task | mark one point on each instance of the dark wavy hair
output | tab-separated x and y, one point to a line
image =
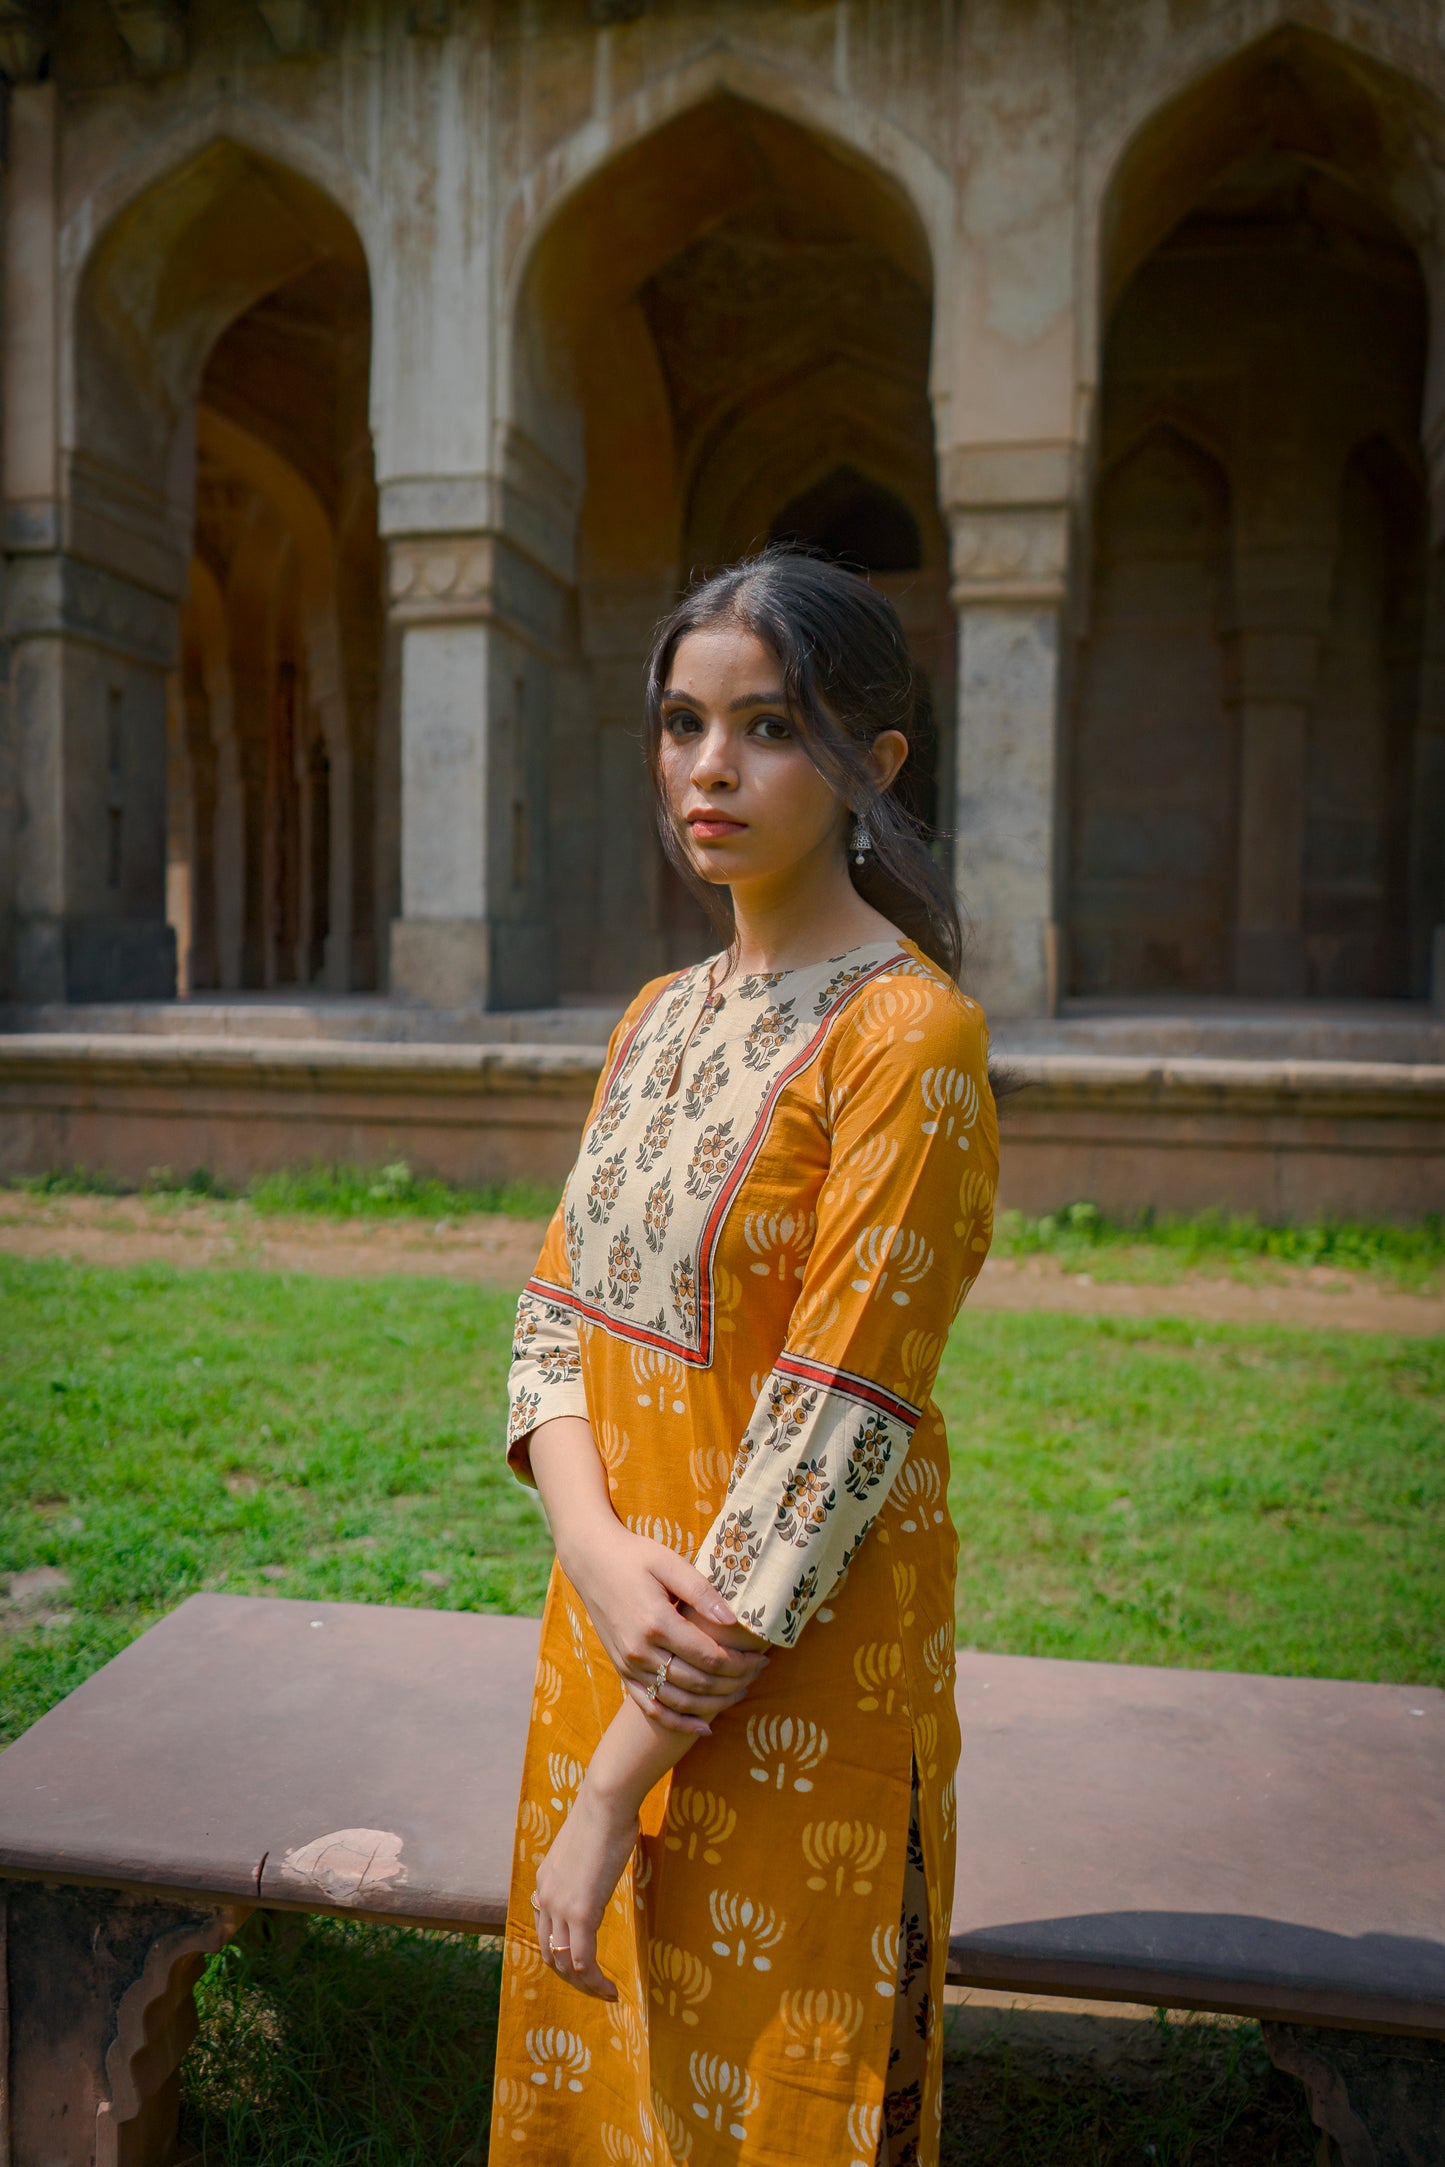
847	674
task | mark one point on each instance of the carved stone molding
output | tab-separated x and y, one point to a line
59	596
155	2022
1013	553
154	32
96	2013
475	579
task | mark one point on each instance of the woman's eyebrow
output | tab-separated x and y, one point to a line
735	707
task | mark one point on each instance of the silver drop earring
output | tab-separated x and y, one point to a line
862	838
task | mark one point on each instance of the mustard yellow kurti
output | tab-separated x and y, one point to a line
784	1192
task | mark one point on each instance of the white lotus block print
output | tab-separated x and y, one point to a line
613	1445
524	1968
820	2025
878	1668
697	1822
561	2058
780	1242
885	1945
670	1533
546	1691
726	2094
709	1467
622	2147
627	2032
564	1777
938	1658
659	1380
747	1930
865	2127
844	1855
895	1011
950	1096
917	1495
534	1831
918	1360
673	2127
515	2102
788	1747
679	1980
891	1259
861	1174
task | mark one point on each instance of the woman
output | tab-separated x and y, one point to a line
734	1864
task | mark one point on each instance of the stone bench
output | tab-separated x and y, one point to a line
1272	1847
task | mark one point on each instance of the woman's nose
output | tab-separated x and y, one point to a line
713	764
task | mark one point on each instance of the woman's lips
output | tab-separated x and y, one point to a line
712	826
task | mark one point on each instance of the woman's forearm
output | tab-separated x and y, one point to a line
632	1755
572	1484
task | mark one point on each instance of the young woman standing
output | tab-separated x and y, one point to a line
734	1863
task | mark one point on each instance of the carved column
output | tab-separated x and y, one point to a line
482	630
96	1997
91	612
1010	567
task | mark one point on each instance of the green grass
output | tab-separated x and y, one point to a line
1164	1247
341	2044
1147	1492
337	1192
1135	1491
1079	1237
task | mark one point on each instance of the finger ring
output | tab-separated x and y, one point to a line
560	1948
661	1679
534	1903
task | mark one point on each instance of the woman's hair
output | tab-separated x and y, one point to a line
847	674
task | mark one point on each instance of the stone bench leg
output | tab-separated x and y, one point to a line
1377	2098
96	2010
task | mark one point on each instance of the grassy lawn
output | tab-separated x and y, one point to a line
1152	1249
1147	1492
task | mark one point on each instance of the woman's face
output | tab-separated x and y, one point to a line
737	774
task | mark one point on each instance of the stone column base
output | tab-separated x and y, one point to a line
441	962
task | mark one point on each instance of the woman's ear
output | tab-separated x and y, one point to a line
886	756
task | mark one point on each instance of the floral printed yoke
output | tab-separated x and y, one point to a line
784	1191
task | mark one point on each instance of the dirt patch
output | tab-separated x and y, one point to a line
500	1252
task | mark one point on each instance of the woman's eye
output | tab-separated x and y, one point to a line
682	724
774	728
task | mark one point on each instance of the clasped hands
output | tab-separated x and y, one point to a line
681	1655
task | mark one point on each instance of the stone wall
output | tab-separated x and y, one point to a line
372	377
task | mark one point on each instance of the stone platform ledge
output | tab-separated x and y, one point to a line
1288	1140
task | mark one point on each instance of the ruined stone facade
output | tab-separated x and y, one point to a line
373	374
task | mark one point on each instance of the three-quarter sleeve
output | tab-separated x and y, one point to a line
904	1221
545	1379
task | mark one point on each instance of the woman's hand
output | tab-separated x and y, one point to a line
649	1607
575	1883
590	1852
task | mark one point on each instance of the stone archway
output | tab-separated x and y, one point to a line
217	383
732	311
1250	711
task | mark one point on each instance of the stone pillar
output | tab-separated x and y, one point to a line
1282	601
91	615
1010	565
483	629
629	943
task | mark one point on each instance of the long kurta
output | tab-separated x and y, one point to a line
784	1191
